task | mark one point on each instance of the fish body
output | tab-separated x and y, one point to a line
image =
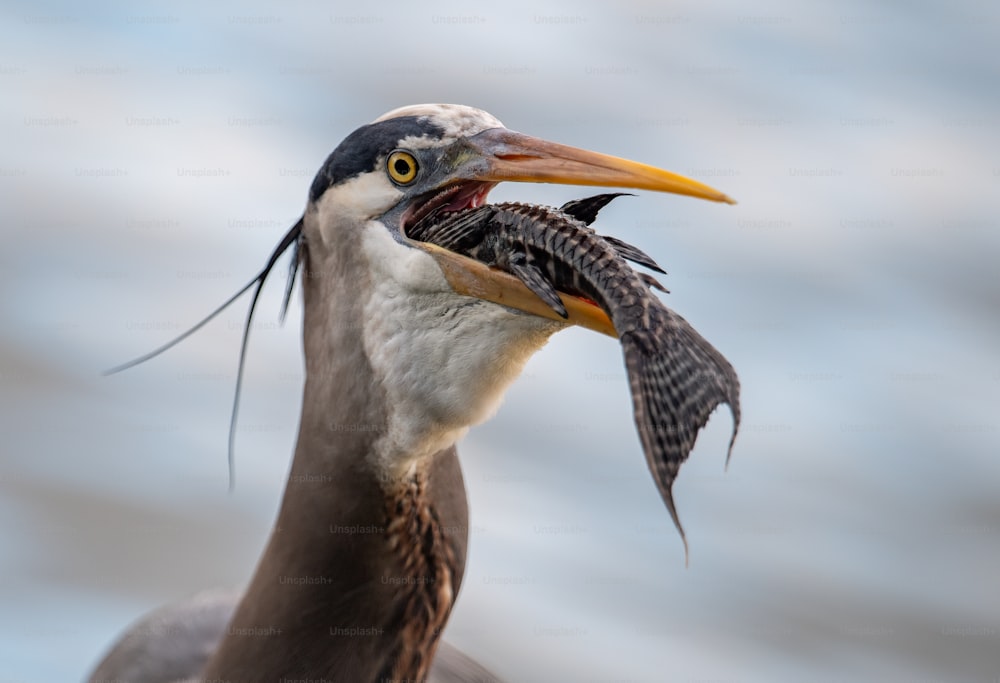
677	378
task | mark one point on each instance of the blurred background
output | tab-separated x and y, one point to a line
154	152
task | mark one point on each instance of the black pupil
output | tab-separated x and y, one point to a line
402	166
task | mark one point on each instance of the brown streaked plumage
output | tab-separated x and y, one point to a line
431	577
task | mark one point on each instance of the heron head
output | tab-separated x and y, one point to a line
426	158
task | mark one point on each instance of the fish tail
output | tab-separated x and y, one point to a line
677	379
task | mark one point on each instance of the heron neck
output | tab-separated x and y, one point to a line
360	573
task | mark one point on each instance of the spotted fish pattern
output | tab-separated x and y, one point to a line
676	377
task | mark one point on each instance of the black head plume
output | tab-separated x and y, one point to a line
290	240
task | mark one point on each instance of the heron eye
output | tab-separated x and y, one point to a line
402	167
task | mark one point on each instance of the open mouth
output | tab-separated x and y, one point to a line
468	194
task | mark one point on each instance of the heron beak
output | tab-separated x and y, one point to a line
501	155
511	156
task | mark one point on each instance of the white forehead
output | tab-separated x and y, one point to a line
457	120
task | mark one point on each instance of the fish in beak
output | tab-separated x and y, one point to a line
498	155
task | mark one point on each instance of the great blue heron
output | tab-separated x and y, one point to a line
405	348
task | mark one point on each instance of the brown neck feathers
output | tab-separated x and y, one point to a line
428	579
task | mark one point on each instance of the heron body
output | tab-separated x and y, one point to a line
367	555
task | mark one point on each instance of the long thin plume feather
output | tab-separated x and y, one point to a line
290	239
292	270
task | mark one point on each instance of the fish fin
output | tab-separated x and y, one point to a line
458	231
585	210
677	379
535	280
652	282
634	254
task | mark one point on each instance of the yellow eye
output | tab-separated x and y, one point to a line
402	167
